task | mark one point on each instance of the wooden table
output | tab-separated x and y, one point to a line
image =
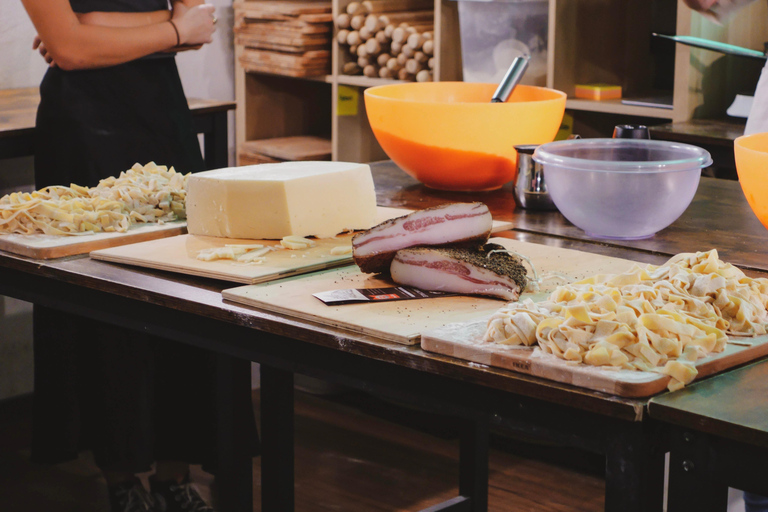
18	108
718	438
192	311
716	136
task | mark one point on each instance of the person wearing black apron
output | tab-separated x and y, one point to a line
111	98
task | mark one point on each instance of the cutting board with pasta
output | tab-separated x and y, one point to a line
45	247
179	254
403	321
454	326
463	340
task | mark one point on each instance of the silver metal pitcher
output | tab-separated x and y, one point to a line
530	188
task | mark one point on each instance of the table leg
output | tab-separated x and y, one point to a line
215	142
277	458
634	470
692	470
234	476
473	463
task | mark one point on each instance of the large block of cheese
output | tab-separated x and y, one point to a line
270	201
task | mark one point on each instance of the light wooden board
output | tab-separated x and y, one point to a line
464	341
254	42
290	8
400	321
179	254
285	71
312	59
454	326
266	28
291	148
397	321
45	247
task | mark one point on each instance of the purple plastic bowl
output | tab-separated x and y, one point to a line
621	188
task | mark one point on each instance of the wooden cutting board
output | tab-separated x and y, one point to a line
464	341
179	254
302	147
45	247
402	321
309	60
397	321
286	7
454	326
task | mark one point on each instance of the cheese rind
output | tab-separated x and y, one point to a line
271	201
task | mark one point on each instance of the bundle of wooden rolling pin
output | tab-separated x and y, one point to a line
387	39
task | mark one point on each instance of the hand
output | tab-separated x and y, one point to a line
39	45
700	5
196	24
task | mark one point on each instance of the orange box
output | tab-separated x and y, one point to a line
598	92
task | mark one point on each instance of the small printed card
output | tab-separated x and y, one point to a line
355	296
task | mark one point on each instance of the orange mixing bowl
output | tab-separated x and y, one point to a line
449	135
751	152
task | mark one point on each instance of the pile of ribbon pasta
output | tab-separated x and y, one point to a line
653	318
148	193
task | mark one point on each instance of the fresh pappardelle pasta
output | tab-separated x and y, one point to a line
650	318
142	194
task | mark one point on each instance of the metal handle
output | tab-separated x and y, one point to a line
510	80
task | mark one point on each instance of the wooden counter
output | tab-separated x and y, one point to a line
18	108
191	310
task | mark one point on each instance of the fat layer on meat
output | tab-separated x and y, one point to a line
466	271
454	224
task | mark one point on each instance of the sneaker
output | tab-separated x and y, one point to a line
173	496
130	496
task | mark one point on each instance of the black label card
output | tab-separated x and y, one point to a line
355	296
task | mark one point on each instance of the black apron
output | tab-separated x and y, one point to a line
130	397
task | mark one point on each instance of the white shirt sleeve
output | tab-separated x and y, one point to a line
757	121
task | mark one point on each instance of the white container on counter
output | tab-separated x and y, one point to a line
494	32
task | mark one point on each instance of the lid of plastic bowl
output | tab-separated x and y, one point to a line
622	155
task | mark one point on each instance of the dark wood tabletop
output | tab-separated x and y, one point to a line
700	131
18	108
731	405
718	217
192	310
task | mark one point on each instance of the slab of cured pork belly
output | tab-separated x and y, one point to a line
454	224
466	271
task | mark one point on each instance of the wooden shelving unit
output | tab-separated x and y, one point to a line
280	106
612	42
588	41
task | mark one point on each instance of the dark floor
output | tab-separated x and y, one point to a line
346	460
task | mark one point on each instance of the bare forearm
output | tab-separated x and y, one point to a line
72	43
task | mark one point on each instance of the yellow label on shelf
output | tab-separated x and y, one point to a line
566	127
348	99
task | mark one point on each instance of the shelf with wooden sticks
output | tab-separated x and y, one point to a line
290	93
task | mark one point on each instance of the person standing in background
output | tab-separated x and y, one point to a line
720	10
112	97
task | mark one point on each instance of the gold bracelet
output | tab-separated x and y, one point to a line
178	39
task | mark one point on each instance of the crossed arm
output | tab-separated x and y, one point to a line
98	39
